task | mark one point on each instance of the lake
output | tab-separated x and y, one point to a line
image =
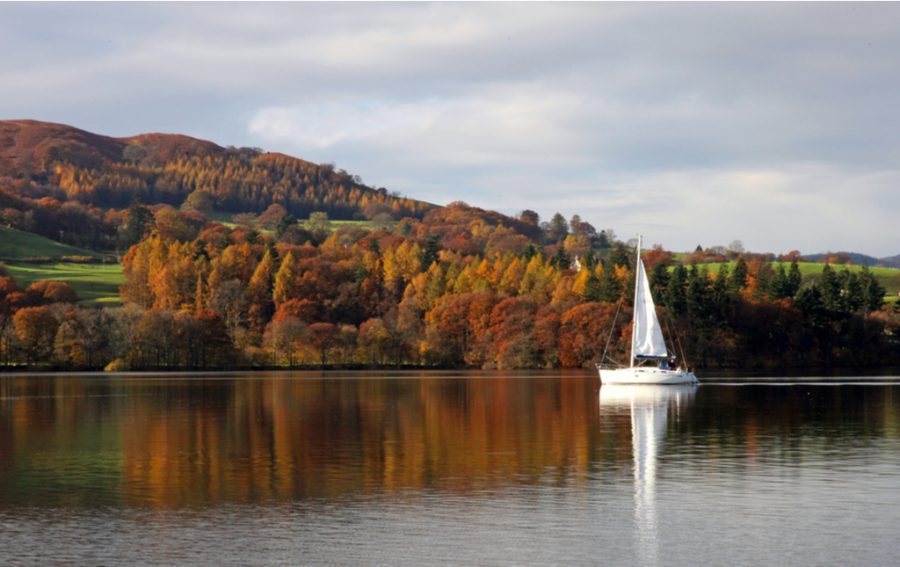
433	468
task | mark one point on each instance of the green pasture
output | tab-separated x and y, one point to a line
95	284
19	245
888	277
227	219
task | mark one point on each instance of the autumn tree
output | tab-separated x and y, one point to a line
35	329
284	279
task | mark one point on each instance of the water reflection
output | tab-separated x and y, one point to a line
649	407
175	442
442	468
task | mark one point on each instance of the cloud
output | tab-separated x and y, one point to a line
736	111
812	207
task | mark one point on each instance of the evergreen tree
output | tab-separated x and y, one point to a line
659	281
561	260
610	286
603	240
593	290
620	255
764	277
722	300
872	291
698	296
738	280
430	251
780	286
794	280
852	291
829	287
676	291
811	305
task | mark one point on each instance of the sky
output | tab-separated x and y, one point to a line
777	125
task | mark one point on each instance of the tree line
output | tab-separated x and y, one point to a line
458	287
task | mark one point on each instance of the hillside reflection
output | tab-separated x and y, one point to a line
195	442
188	441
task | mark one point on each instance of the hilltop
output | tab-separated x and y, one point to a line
41	159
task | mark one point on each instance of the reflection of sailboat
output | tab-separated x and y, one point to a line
649	406
647	343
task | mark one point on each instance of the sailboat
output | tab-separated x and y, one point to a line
649	362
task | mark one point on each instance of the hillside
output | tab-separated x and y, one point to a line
39	159
95	284
16	246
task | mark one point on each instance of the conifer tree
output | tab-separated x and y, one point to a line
676	297
610	286
738	280
592	288
829	287
794	280
872	291
779	288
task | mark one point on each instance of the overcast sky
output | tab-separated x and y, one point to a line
774	124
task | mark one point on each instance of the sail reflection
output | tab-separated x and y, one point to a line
649	407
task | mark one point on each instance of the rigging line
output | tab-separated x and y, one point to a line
681	349
611	329
676	340
669	331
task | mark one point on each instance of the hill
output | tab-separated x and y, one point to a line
40	159
17	245
892	261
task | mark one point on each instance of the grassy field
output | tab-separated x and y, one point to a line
18	245
95	284
888	277
226	220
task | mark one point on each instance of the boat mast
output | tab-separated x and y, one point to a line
636	284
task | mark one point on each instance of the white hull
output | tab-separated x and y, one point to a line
646	375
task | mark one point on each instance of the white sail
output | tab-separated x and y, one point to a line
647	334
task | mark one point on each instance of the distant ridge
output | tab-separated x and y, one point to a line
854	258
892	261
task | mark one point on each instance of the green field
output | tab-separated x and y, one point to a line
888	277
19	245
226	219
95	284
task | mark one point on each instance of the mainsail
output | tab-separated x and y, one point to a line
647	338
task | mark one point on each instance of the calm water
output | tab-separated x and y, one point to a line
446	468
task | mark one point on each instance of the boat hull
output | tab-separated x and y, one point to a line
644	375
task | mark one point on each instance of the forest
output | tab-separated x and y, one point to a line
460	287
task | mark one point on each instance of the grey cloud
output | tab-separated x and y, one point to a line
594	105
